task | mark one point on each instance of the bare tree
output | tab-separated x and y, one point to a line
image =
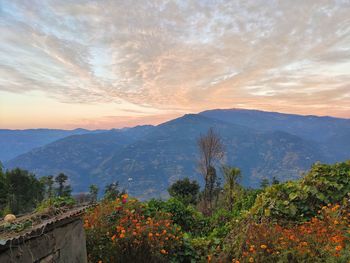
211	152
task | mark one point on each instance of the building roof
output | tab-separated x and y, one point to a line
42	223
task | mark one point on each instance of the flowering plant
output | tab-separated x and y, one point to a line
325	237
119	231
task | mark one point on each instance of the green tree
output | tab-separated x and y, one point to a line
275	181
48	182
93	191
3	189
24	191
264	183
231	175
112	191
185	190
63	188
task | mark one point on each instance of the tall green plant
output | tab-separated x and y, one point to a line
231	175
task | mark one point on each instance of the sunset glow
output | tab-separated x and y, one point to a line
110	64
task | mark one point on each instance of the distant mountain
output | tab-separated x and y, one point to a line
310	127
331	134
77	155
146	160
16	142
169	152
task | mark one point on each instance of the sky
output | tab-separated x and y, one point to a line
116	63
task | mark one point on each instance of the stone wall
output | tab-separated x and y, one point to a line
62	243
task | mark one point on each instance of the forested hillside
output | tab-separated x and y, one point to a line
16	142
147	159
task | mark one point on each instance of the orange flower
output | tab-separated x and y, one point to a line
263	246
163	251
121	235
113	237
338	248
150	235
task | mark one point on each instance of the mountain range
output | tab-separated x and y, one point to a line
16	142
147	159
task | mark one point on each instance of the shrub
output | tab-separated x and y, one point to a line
300	200
187	217
185	191
325	238
120	231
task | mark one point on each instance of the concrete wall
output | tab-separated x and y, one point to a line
62	244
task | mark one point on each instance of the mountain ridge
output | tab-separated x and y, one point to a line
147	159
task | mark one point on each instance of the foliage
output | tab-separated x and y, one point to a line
63	189
244	201
187	217
48	182
20	191
231	187
112	191
302	221
17	227
93	191
300	200
325	238
119	231
56	202
185	191
264	183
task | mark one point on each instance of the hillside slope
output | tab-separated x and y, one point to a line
147	159
16	142
169	152
310	127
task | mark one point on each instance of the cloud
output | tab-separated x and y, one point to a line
181	55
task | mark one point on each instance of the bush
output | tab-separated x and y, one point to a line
120	231
187	217
300	200
325	238
185	191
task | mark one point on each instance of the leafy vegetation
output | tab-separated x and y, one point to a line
20	191
298	200
120	231
307	220
185	191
